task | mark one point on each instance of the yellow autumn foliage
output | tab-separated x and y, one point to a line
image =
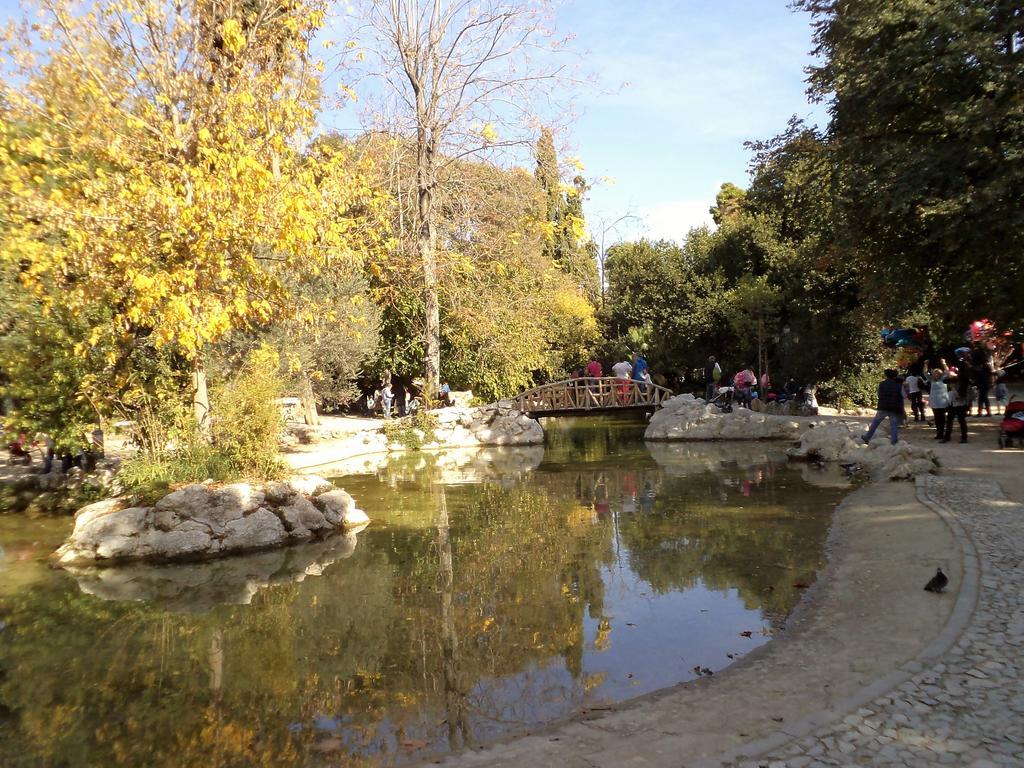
153	157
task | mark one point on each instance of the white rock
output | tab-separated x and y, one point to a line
334	505
90	512
204	520
685	417
302	519
354	518
309	485
260	529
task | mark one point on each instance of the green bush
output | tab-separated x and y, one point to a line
859	389
412	431
245	430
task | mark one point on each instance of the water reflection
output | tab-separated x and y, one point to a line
198	587
481	601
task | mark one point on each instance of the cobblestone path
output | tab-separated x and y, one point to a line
965	707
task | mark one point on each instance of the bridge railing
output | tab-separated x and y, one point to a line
591	394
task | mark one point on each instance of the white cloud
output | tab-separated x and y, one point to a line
673	219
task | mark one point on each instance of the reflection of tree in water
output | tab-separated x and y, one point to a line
731	530
458	620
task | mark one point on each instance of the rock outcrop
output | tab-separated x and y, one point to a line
837	442
495	424
204	520
685	417
199	587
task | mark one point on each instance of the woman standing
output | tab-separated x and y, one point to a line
938	399
959	403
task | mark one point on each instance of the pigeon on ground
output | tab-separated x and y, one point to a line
938	582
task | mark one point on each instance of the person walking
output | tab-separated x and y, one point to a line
712	373
640	371
938	398
622	370
912	385
890	406
959	405
387	397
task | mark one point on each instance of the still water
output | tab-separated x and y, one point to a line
493	592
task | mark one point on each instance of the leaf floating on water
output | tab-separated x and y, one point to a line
415	743
747	633
800	585
630	624
329	745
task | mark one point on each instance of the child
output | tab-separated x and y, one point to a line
1002	393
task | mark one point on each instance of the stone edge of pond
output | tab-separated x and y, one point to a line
957	623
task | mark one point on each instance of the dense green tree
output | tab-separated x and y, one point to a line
926	129
728	202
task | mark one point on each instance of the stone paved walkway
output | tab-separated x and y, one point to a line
965	705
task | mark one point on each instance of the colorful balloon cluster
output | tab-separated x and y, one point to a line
1000	344
907	345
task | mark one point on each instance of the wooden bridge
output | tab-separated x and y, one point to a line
591	395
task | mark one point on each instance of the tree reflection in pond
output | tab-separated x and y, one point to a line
475	605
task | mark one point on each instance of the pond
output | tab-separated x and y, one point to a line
494	592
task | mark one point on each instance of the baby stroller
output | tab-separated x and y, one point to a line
1012	426
722	400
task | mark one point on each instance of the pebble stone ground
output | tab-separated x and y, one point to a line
966	707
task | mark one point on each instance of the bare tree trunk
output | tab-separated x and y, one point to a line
308	399
426	245
459	734
201	397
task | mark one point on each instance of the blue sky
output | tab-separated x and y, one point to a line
704	76
683	83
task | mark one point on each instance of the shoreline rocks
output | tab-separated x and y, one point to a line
203	520
685	417
836	442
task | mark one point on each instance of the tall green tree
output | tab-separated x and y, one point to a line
927	128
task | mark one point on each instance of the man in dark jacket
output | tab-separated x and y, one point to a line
890	405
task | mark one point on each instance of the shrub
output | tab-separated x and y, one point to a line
412	431
247	423
858	389
244	434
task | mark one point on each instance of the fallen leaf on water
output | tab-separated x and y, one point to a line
801	585
630	624
329	745
748	633
415	743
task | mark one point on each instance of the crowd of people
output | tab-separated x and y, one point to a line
744	387
953	394
393	397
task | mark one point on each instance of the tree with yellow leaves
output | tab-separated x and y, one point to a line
153	157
